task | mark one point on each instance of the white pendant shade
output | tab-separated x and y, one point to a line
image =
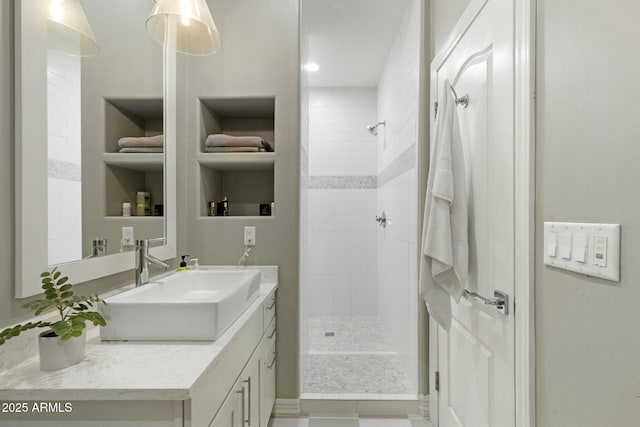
195	31
68	30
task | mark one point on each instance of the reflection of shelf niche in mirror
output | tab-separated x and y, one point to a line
131	117
128	173
122	184
146	162
237	116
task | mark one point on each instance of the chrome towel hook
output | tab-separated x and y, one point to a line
464	100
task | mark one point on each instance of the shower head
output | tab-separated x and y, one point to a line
373	129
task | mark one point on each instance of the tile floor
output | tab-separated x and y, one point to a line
349	422
352	355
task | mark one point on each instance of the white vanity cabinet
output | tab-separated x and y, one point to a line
227	383
250	400
268	373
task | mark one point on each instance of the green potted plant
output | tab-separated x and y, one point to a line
63	344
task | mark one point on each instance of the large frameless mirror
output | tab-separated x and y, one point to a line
95	151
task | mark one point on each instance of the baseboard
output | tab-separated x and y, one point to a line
423	406
286	408
349	407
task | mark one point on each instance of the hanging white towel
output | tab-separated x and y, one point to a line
444	262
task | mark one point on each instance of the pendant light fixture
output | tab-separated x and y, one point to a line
68	30
186	25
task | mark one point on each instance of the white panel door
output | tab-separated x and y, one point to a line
476	356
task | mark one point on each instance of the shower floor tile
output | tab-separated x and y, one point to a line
347	334
352	355
355	373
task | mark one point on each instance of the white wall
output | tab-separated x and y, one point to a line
398	192
587	347
587	152
341	226
259	57
443	17
64	154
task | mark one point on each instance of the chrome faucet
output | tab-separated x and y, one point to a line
143	259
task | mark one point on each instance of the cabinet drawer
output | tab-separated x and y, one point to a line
270	333
268	380
269	309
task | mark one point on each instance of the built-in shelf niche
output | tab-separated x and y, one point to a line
246	179
131	117
246	186
237	116
128	173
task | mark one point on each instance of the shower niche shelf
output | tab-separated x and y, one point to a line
245	179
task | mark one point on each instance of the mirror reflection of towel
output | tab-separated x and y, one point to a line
445	248
142	150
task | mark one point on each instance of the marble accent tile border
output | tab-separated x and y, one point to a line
342	182
401	164
59	169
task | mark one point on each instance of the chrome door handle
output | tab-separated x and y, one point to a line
500	300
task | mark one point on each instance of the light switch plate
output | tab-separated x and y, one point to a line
594	251
127	236
250	236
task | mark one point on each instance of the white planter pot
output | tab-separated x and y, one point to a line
58	354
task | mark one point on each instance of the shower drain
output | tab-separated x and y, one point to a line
329	334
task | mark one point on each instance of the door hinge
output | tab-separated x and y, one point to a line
437	381
435	110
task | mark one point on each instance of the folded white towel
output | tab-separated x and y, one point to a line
141	141
142	150
445	248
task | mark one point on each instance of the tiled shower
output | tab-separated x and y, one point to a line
359	295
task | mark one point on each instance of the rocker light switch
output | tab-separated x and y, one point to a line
584	248
552	243
565	245
580	247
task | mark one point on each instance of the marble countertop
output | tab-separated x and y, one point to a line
127	370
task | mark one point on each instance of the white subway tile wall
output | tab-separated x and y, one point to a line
355	267
339	143
342	267
341	222
397	244
64	154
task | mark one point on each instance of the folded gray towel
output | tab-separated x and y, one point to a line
142	150
233	149
223	140
141	141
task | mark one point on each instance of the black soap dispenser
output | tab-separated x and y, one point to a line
183	263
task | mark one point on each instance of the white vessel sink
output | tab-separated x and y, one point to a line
185	306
